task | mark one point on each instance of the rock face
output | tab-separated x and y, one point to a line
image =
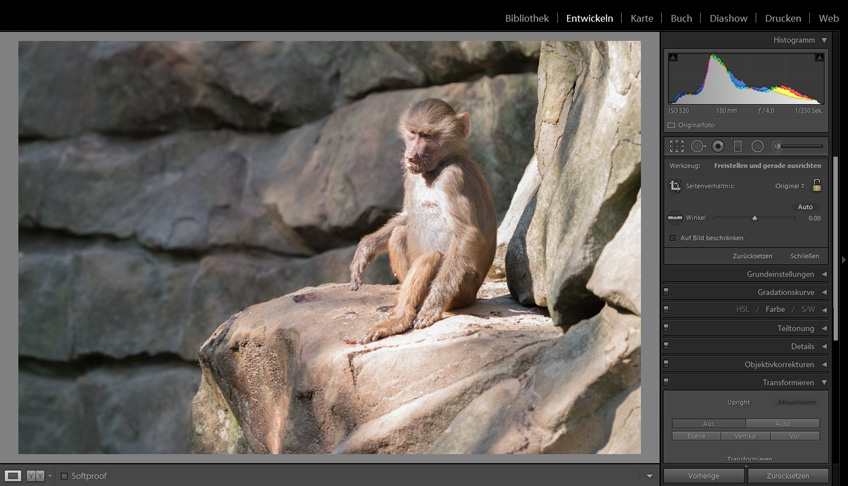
310	189
118	300
127	408
525	194
617	277
71	88
588	145
494	377
164	186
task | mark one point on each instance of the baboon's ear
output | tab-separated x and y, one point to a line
465	124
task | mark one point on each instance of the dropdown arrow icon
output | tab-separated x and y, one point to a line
824	382
650	475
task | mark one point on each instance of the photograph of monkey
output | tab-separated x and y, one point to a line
442	243
283	247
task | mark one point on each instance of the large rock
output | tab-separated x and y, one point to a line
494	377
68	88
617	277
314	188
237	281
604	353
125	409
116	299
524	194
180	192
45	287
287	375
570	402
448	62
50	415
588	145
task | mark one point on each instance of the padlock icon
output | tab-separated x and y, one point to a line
816	185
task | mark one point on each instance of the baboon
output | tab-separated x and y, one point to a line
443	241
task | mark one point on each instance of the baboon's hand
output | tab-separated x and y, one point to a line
355	282
357	266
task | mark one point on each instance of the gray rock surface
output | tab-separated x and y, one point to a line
177	192
524	194
69	88
119	300
588	140
124	409
50	415
314	188
617	277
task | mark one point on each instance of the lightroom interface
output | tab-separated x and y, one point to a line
598	247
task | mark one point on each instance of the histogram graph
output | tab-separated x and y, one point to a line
746	78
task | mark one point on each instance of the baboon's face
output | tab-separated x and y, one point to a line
423	150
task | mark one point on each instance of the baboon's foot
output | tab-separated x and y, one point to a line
389	327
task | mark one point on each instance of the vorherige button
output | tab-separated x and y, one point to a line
704	475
